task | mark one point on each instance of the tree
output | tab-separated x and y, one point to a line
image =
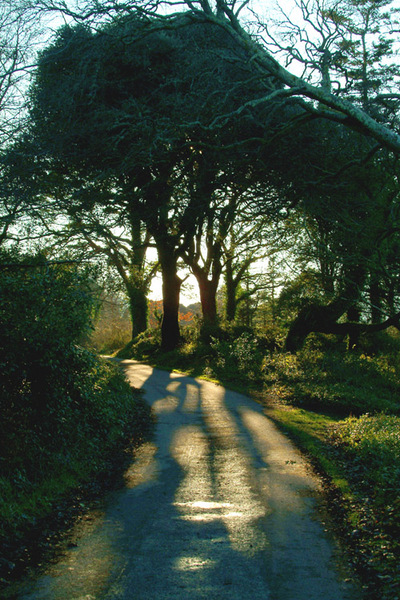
350	224
346	47
85	219
19	34
129	90
227	15
124	246
216	198
150	118
340	48
250	241
323	103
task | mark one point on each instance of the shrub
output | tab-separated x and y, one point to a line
237	357
375	441
143	346
43	312
371	449
63	410
333	381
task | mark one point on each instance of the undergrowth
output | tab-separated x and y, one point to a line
64	412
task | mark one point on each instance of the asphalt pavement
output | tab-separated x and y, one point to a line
218	506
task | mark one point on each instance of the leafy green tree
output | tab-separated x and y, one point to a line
122	105
367	58
139	101
45	309
229	16
349	234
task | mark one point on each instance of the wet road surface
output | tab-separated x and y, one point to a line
218	506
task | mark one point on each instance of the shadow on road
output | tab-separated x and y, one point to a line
218	506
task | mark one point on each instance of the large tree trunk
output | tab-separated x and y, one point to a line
171	287
313	318
322	319
305	322
170	334
208	293
230	291
138	309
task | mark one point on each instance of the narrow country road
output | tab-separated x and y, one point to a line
218	506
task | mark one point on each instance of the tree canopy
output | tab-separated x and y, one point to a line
169	123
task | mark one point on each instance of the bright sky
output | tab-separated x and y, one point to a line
189	290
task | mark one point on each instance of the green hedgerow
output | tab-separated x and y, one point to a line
237	357
334	381
63	410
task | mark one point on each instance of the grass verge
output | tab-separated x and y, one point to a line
362	495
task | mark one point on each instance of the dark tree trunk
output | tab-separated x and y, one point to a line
302	326
313	318
170	334
230	287
208	293
138	309
171	287
322	319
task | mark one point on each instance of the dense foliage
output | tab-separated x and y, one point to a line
63	410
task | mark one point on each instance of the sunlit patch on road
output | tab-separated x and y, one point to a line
219	505
167	404
191	402
205	505
232	467
207	511
193	563
144	469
